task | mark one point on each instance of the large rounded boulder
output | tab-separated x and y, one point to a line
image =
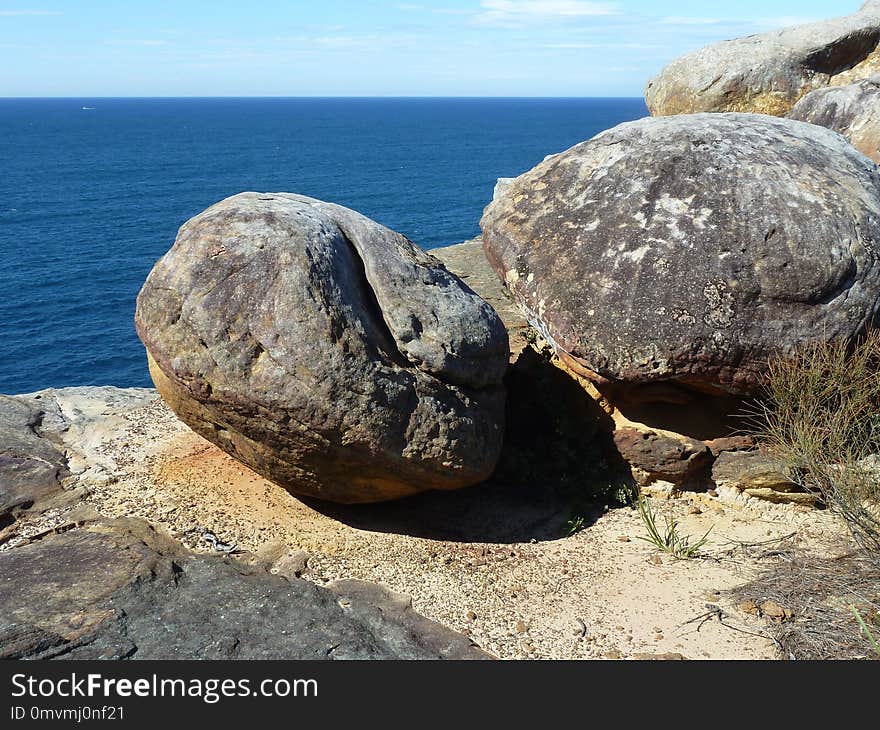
325	351
770	72
853	111
689	249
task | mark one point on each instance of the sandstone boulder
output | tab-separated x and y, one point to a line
325	351
853	111
658	456
769	73
750	470
468	261
758	475
683	251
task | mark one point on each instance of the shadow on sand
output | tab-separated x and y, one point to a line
559	463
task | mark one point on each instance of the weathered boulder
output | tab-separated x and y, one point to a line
684	251
758	475
769	73
662	456
853	111
119	590
325	351
750	470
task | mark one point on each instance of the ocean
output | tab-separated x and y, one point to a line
92	192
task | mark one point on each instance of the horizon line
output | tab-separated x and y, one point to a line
467	96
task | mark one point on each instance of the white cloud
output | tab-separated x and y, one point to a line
760	23
334	40
512	12
410	7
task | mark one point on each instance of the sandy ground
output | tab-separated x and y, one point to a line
492	562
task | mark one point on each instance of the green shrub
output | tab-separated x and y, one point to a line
821	420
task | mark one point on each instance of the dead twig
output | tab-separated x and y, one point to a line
717	613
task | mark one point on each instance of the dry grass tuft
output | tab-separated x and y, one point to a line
821	594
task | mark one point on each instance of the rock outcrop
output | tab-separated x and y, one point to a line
468	262
682	252
758	475
769	73
32	467
325	351
656	456
76	585
119	590
853	111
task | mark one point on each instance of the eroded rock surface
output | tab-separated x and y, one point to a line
118	590
325	351
468	262
684	251
853	111
31	468
74	584
659	456
553	432
758	475
455	553
769	73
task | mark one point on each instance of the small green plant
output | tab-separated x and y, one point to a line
625	494
574	526
669	540
869	635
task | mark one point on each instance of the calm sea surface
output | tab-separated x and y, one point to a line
92	192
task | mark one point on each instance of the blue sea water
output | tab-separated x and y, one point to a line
92	192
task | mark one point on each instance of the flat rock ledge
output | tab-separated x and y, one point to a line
76	585
117	589
155	543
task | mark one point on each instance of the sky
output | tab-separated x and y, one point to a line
96	48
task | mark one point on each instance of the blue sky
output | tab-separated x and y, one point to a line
366	47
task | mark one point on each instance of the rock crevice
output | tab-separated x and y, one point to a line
378	373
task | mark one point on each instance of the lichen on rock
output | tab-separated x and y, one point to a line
687	250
